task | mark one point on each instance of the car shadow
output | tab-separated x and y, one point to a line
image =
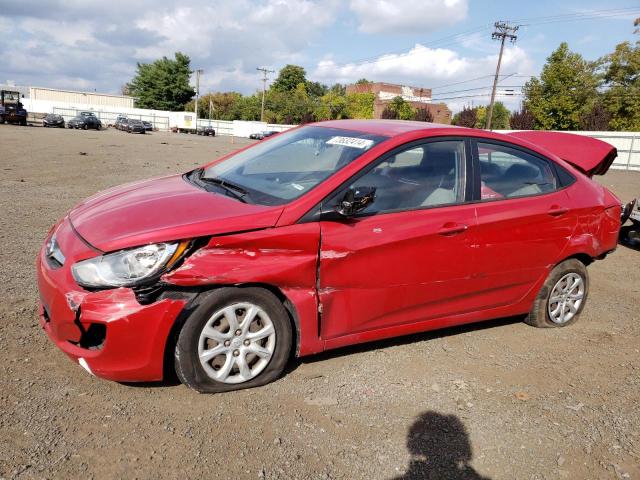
403	340
439	448
171	380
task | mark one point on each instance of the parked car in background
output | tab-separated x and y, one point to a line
148	126
327	235
85	120
53	120
121	123
135	126
207	131
262	135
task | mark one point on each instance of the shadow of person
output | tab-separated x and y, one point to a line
440	449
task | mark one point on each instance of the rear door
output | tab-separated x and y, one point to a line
524	220
408	257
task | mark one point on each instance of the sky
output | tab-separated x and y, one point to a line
440	44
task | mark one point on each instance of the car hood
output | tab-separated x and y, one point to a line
163	209
587	154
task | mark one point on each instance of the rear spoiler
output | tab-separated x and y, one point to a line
589	155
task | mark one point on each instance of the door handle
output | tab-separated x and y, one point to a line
556	210
452	228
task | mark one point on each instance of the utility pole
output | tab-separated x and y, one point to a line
198	73
503	31
265	72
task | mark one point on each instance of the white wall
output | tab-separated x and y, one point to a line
88	98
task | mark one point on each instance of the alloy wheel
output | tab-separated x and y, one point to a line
565	298
236	343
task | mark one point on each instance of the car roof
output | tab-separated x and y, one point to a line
393	128
389	127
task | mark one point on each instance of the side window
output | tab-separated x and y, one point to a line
508	173
426	175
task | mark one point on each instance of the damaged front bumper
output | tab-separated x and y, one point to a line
107	332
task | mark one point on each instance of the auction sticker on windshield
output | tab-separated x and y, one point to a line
361	143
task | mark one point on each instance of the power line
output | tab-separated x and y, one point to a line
594	14
531	21
481	95
478	88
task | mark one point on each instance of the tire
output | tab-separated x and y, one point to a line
559	283
269	316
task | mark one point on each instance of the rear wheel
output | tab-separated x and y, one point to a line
562	297
235	338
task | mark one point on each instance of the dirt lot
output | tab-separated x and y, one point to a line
499	400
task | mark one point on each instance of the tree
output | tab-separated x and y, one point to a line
388	113
466	118
402	109
289	78
621	75
359	105
522	120
248	108
331	106
424	115
596	120
316	89
363	81
163	84
224	105
338	89
499	119
566	89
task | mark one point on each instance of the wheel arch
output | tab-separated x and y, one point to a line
168	369
585	258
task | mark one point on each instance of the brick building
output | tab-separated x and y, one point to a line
417	97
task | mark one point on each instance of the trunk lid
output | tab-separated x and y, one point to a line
589	155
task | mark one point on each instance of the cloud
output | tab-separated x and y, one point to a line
407	16
422	66
96	44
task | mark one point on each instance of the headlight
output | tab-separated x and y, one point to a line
130	267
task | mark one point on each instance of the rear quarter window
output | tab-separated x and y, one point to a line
507	172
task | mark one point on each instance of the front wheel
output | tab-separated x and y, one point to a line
562	297
235	338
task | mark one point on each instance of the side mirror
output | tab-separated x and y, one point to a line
355	200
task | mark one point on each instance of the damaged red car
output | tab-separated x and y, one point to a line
326	235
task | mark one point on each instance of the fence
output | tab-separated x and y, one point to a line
628	146
109	118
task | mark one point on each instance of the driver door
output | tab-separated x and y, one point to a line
409	256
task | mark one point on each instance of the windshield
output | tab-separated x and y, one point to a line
289	165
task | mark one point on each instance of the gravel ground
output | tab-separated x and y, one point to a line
498	400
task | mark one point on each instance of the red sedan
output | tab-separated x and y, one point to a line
326	235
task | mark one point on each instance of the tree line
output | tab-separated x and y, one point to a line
291	98
571	93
